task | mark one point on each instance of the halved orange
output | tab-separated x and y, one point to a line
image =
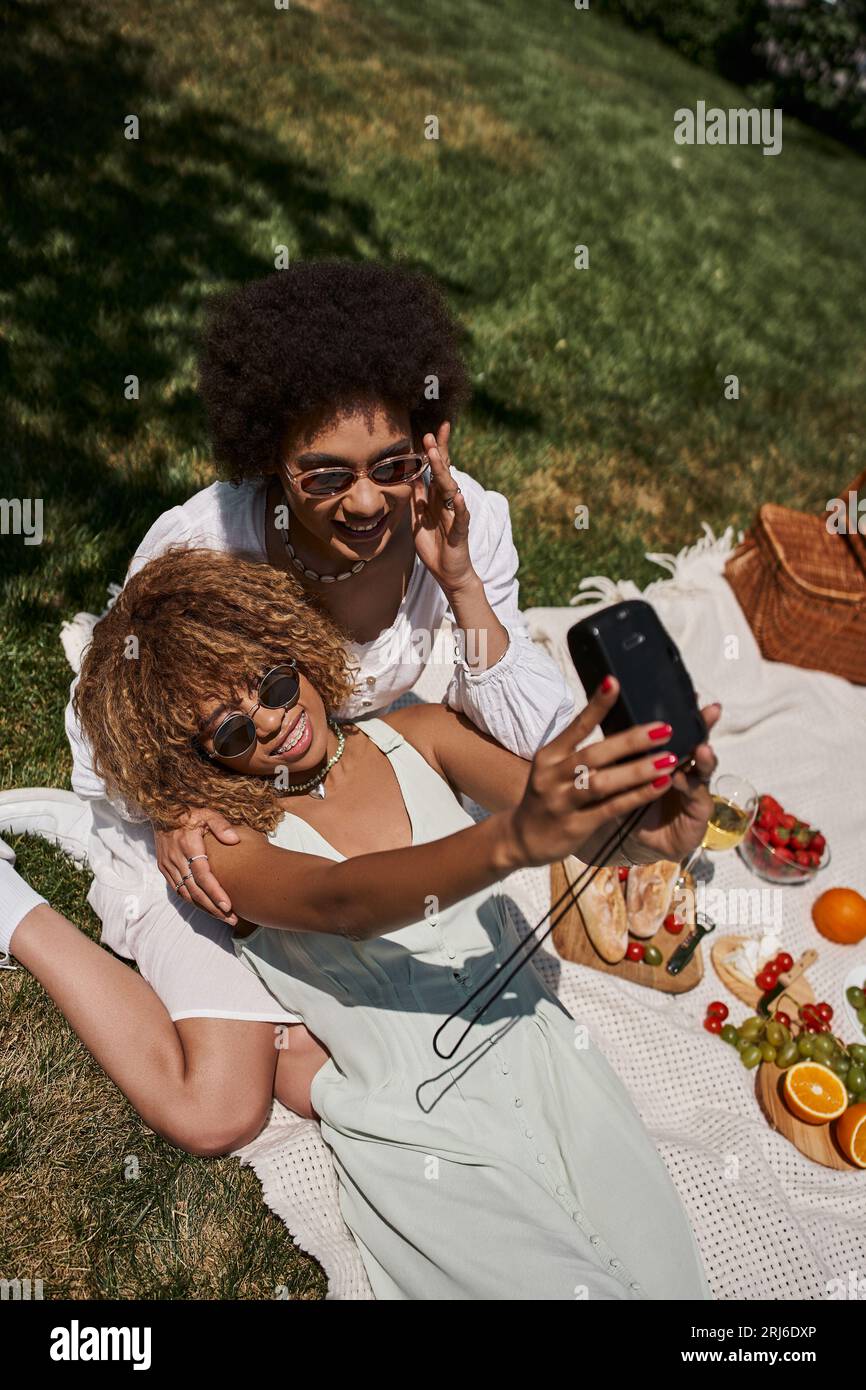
851	1133
814	1093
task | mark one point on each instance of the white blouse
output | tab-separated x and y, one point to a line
523	700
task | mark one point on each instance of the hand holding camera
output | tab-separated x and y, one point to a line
645	703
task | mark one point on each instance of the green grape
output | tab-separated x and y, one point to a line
824	1047
806	1044
730	1034
768	1052
855	996
652	956
857	1078
743	1043
752	1028
858	1051
861	1014
788	1053
840	1065
777	1034
750	1055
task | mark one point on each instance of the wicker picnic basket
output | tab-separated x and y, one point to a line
803	588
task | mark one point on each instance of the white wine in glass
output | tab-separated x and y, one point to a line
735	805
727	825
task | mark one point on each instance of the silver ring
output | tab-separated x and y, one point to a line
195	857
449	501
178	885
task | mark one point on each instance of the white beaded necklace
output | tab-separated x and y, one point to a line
311	573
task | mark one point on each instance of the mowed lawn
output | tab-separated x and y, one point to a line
603	387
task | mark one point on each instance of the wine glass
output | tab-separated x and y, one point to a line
735	805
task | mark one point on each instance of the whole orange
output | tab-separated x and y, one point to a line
840	915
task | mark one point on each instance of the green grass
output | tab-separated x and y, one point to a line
602	387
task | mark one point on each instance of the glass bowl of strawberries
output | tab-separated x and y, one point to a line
781	848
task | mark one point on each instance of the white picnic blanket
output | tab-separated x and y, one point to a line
770	1224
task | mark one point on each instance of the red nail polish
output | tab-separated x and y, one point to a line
667	760
660	731
606	685
661	781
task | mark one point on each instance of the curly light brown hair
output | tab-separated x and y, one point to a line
190	626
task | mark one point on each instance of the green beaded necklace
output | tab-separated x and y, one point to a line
315	784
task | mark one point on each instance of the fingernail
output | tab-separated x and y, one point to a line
224	907
668	760
660	731
607	684
661	781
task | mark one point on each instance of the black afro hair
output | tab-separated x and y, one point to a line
315	339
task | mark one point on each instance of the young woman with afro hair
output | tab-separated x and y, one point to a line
330	388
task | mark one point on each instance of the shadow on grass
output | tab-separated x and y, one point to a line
111	246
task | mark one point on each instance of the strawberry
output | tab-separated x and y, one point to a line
801	836
817	842
779	836
814	859
768	819
788	821
786	854
769	803
802	858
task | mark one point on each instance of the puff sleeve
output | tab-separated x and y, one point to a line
523	700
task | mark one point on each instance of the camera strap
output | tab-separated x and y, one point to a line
533	941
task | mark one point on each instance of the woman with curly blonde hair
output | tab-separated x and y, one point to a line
373	914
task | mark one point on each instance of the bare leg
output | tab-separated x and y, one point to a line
204	1084
303	1057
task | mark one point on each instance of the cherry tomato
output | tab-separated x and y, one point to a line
765	980
713	1024
825	1011
635	950
717	1010
781	1017
783	961
673	924
622	873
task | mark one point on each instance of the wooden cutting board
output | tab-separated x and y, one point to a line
572	942
800	990
817	1142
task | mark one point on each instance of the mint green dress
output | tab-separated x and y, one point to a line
519	1168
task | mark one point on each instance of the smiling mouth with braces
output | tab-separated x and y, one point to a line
297	735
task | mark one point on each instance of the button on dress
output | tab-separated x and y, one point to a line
519	1168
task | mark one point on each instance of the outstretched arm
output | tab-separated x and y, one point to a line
371	894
